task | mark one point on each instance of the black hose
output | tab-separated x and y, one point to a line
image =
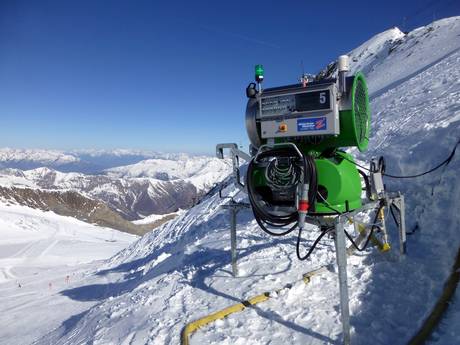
313	246
374	226
313	182
366	183
263	217
443	163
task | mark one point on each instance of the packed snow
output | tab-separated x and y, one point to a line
180	272
41	255
158	217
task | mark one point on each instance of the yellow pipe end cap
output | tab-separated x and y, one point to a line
386	247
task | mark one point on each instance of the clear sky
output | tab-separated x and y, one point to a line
167	75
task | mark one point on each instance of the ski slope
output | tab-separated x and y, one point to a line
42	254
147	292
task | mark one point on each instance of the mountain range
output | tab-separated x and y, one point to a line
152	186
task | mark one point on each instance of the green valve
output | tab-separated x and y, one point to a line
259	73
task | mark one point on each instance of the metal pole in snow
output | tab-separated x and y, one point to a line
233	212
341	254
402	224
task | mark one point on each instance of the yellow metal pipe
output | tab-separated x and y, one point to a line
193	326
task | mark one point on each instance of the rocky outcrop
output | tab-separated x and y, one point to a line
73	204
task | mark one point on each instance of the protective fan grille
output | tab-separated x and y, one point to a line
361	111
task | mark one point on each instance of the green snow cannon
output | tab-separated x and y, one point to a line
297	133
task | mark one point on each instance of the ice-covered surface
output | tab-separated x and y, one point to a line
42	254
146	293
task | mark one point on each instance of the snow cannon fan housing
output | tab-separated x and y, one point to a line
319	117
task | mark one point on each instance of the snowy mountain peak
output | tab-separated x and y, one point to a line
38	155
392	56
200	171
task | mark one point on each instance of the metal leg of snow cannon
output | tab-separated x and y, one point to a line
236	154
233	212
341	254
234	208
400	205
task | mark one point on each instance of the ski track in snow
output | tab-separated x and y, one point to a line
38	250
180	272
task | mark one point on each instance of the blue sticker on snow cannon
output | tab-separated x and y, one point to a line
312	124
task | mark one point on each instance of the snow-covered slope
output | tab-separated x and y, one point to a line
391	57
42	254
146	293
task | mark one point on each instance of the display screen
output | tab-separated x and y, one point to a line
316	100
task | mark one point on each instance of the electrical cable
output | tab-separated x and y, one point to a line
326	203
366	183
445	162
374	225
313	246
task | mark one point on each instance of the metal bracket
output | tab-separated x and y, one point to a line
236	154
399	203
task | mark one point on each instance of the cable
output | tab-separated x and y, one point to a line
326	203
374	225
445	162
366	183
265	218
313	246
313	183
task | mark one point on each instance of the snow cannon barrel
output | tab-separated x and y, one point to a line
317	116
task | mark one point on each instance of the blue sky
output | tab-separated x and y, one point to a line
167	75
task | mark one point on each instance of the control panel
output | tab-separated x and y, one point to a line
303	111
